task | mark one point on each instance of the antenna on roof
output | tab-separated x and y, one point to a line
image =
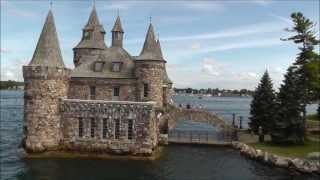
150	19
118	11
94	3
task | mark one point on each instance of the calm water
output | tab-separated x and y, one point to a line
176	163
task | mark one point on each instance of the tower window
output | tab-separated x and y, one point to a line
86	35
130	128
104	128
98	66
80	130
92	127
145	90
92	92
116	66
117	129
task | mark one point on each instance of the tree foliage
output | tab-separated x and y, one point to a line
289	124
263	105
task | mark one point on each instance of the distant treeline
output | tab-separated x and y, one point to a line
215	92
11	84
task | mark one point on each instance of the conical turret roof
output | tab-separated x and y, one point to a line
150	49
117	25
48	52
95	29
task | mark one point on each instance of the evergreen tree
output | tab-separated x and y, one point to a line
263	106
306	66
289	125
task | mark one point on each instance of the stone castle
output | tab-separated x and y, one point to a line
109	103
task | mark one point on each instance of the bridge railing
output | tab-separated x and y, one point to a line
200	136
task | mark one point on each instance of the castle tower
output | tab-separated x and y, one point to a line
46	80
150	70
117	33
92	41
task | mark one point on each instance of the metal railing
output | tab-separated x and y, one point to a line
201	137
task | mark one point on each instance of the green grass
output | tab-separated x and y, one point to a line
289	150
313	117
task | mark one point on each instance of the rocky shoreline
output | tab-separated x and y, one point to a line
295	164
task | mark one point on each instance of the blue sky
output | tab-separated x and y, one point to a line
217	44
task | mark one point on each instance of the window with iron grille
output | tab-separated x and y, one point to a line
80	130
117	129
104	128
92	92
92	127
130	128
145	90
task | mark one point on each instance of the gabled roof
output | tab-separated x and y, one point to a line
150	49
117	26
47	52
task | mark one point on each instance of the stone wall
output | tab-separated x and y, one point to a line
144	139
43	88
80	88
150	72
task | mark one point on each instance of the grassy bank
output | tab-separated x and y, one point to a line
289	150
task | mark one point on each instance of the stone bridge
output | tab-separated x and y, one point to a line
168	121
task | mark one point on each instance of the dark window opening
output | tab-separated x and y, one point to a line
104	128
117	129
130	128
92	127
116	91
145	90
80	131
92	92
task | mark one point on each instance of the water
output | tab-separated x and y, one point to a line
226	106
176	162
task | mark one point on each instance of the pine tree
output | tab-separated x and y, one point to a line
306	66
289	125
263	106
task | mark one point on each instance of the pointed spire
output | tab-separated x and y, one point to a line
93	19
117	25
93	33
48	52
150	49
159	47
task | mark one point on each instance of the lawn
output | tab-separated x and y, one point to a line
289	150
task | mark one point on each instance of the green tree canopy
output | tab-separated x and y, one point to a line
263	105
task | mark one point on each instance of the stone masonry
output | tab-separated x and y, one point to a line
109	103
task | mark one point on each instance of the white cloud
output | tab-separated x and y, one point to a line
246	30
240	45
5	50
262	2
283	19
247	76
211	67
195	46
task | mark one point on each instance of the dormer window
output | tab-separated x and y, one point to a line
98	66
116	66
86	35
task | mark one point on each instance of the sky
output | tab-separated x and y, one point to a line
207	44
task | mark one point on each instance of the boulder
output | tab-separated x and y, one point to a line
281	161
314	156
